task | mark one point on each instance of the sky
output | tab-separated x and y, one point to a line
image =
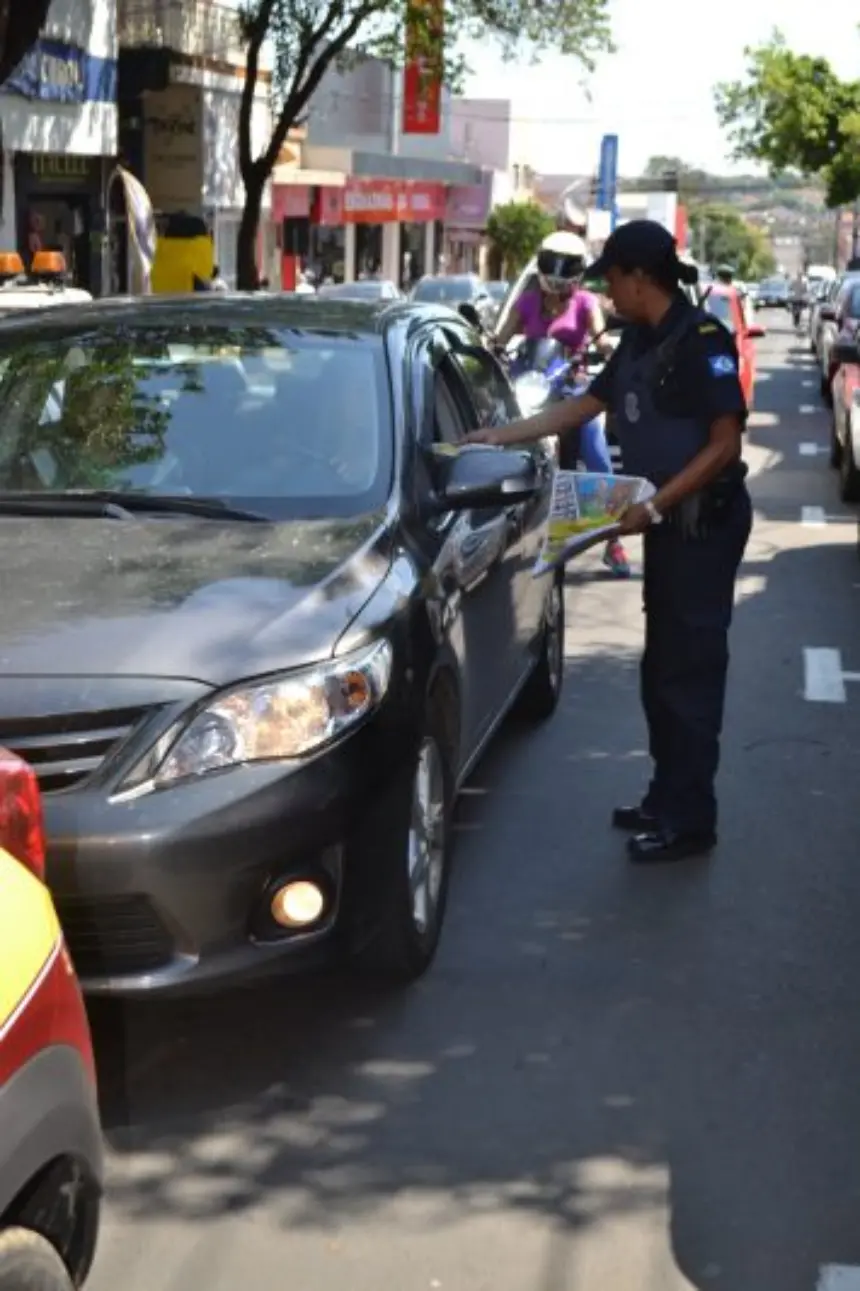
656	92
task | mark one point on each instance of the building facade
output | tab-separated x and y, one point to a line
181	75
58	118
369	197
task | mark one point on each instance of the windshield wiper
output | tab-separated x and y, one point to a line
118	505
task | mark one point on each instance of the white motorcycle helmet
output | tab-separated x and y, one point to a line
561	261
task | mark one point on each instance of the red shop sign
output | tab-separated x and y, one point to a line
392	201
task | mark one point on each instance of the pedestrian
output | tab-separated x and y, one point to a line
674	388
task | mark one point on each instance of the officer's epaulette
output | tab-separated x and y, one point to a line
705	329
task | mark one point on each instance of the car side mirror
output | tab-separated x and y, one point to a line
482	476
468	311
846	351
756	332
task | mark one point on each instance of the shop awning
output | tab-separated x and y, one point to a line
377	165
308	178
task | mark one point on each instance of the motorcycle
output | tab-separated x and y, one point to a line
542	373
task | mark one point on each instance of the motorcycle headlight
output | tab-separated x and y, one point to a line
532	391
279	718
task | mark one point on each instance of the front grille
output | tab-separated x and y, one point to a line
64	750
111	936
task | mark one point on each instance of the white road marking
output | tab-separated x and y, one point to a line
838	1277
813	517
807	408
808	384
823	678
811	450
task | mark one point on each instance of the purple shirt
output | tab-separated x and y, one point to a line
571	327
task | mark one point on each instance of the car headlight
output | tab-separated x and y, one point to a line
279	718
532	390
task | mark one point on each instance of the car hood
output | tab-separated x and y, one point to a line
181	598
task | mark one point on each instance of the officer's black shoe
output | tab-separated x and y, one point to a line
634	820
665	845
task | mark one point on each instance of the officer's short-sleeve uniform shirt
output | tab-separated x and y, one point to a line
704	378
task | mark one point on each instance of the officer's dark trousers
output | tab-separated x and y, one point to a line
688	597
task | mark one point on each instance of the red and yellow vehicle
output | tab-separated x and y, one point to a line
724	303
50	1140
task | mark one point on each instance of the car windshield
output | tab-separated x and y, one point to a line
285	422
721	307
443	290
497	290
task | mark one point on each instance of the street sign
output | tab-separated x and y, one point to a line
607	176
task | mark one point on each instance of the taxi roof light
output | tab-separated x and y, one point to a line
48	262
22	830
11	264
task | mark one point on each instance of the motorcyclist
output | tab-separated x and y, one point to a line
556	306
798	296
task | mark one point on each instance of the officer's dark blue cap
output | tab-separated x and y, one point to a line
645	245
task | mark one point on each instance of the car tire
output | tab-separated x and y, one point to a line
407	840
539	698
28	1262
849	476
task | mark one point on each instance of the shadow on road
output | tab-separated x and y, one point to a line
590	1034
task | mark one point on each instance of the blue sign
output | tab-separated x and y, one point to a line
56	72
607	176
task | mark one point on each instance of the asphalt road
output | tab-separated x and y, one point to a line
612	1080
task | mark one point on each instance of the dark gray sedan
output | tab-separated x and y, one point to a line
260	619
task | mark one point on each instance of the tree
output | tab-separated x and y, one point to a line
20	24
792	112
720	235
515	231
311	36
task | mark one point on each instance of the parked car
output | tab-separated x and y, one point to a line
773	293
838	315
260	623
725	304
365	289
50	1140
455	290
818	295
845	426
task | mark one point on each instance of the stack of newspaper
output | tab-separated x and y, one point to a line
586	509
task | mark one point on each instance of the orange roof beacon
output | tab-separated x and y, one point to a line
50	1140
11	265
48	263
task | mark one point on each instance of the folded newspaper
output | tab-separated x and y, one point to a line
586	509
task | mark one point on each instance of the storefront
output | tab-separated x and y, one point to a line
359	228
395	226
59	206
466	213
59	138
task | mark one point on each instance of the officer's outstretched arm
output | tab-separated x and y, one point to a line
554	420
722	449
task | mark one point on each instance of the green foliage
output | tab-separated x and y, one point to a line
515	231
310	36
793	112
720	235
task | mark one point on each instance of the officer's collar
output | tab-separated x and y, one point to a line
669	319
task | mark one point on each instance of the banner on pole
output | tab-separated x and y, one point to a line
423	71
141	225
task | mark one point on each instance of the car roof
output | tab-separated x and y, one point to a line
283	309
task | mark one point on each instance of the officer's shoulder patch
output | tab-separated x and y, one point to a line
722	365
707	329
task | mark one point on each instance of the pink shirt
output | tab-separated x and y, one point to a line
571	328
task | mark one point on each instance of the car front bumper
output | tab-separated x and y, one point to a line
170	892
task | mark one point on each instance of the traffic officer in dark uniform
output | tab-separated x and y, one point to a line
673	389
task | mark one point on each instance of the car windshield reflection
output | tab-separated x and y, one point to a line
296	422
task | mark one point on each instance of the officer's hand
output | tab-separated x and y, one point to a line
490	435
636	519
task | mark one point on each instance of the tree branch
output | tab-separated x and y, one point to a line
256	30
